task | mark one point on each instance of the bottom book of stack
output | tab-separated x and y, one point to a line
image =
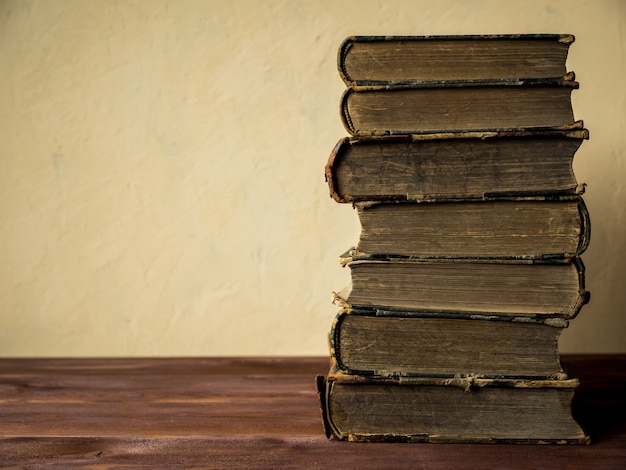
457	410
409	376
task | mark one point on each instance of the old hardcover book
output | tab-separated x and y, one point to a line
381	342
461	165
459	106
458	410
402	59
505	228
517	288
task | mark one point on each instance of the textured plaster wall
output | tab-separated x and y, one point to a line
161	168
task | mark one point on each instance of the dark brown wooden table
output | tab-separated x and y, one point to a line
250	413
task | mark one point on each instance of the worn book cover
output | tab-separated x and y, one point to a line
518	288
376	341
367	60
506	228
457	106
453	410
461	165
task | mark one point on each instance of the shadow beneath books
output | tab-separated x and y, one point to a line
598	405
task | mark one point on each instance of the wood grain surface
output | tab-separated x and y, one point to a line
250	413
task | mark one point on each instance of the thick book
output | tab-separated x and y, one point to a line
406	59
459	106
380	342
464	165
540	228
519	288
456	410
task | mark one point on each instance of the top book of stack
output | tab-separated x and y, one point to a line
448	84
382	60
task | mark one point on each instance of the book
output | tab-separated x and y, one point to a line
464	165
380	342
402	59
539	228
459	106
455	410
487	287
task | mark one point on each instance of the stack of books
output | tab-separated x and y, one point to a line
467	268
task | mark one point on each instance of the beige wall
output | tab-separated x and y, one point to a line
161	168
